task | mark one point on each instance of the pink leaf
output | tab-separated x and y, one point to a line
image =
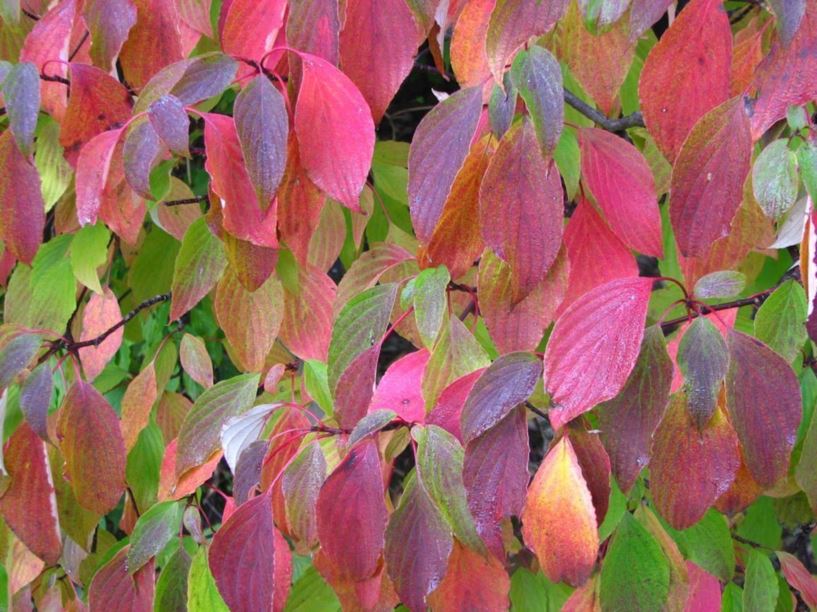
400	388
585	363
248	28
22	211
100	313
93	168
313	26
169	119
799	577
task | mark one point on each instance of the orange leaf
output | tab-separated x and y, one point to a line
473	582
100	313
137	403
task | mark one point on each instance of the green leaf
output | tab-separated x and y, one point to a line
358	327
760	587
807	163
439	465
780	320
149	274
430	302
635	574
202	592
55	173
199	264
760	524
732	600
171	586
708	544
796	118
152	532
89	250
534	593
567	155
775	179
200	431
317	384
310	593
144	463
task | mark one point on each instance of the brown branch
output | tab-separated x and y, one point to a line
30	15
182	202
55	79
536	411
611	125
79	45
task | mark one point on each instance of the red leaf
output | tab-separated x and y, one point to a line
335	131
686	74
377	48
172	487
307	326
589	240
559	522
704	590
243	217
521	208
784	78
506	383
100	313
251	264
447	410
313	26
250	559
94	451
586	364
352	513
300	485
22	211
195	360
472	582
708	176
153	43
763	398
622	183
108	23
97	103
93	169
114	588
691	468
495	473
512	23
29	505
595	465
169	119
468	56
628	421
438	151
799	577
400	389
248	28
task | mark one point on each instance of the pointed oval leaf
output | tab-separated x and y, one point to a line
196	360
799	577
152	532
240	431
199	264
21	92
22	211
35	398
703	359
301	484
722	284
169	119
313	26
774	178
101	313
108	23
536	75
559	521
472	582
508	382
399	391
112	585
584	367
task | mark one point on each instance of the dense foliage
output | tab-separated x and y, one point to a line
445	304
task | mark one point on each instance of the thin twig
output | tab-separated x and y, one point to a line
182	202
30	15
611	125
536	411
53	78
79	46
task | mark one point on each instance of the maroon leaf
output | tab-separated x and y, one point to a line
627	421
92	444
109	22
506	383
301	484
377	48
250	559
418	544
169	119
595	465
113	587
263	126
521	208
447	410
352	513
35	398
437	153
586	364
22	211
763	398
21	92
203	78
28	505
495	473
537	76
355	386
141	152
691	468
512	23
313	26
622	183
708	177
335	131
686	74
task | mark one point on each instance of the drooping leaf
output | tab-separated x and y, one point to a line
22	211
21	92
521	208
171	585
153	42
468	55
263	126
536	75
709	456
430	298
169	119
595	465
202	592
142	151
703	359
108	24
89	250
708	176
248	28
301	484
199	264
137	403
775	179
377	48
622	183
788	16
94	451
250	559
17	349
686	74
502	106
584	367
763	397
199	433
336	159
438	151
508	382
779	320
798	577
28	505
559	521
240	431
